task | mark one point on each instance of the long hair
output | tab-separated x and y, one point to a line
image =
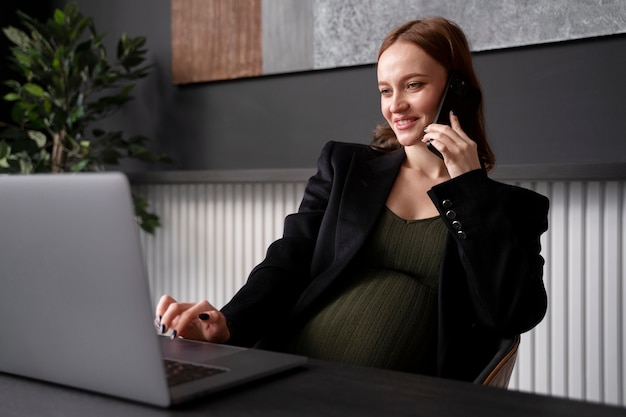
445	42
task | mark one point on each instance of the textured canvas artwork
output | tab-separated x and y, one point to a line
226	39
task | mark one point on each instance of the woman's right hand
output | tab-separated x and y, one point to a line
200	321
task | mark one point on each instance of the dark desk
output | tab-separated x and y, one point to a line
320	389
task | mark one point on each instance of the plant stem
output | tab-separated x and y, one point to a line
58	156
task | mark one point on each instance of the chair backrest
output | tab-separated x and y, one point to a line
498	372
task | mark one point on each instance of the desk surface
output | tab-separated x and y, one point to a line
320	388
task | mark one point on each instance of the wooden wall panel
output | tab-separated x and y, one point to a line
215	40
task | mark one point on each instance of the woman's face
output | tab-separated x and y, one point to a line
411	84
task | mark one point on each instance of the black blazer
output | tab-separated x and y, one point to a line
491	282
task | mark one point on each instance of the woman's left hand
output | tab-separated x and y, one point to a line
460	153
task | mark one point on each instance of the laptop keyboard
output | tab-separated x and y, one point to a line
183	372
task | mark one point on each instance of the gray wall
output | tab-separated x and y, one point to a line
556	103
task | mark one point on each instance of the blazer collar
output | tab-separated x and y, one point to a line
368	185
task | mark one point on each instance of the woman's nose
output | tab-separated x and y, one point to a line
398	103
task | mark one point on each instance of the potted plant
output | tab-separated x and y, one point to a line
66	85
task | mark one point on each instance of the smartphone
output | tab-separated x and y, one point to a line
462	98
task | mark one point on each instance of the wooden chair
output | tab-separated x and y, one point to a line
498	372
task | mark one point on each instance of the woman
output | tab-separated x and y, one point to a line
396	258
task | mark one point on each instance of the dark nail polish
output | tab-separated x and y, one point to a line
204	316
173	335
163	328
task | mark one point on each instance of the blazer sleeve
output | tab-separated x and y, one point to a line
496	230
274	286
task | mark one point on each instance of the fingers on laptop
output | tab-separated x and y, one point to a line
200	321
170	316
214	326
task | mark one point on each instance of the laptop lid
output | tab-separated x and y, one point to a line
75	305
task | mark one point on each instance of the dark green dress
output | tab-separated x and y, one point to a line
386	315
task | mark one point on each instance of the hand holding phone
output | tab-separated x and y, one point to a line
460	97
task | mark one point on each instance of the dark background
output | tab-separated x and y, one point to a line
551	104
8	17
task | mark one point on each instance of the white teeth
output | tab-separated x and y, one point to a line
404	122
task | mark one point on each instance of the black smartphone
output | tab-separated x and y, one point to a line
462	98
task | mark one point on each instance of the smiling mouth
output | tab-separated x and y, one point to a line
405	122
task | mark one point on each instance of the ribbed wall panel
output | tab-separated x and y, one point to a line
577	351
213	234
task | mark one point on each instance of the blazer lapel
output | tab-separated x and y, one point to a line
367	186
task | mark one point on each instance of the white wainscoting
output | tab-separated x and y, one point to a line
214	233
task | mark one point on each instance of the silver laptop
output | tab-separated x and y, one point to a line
75	305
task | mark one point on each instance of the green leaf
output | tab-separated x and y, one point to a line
38	137
22	59
18	114
5	150
148	221
77	114
17	36
80	165
12	84
47	105
59	17
111	156
34	89
12	97
26	167
122	45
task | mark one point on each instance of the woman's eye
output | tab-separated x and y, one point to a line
414	85
385	91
